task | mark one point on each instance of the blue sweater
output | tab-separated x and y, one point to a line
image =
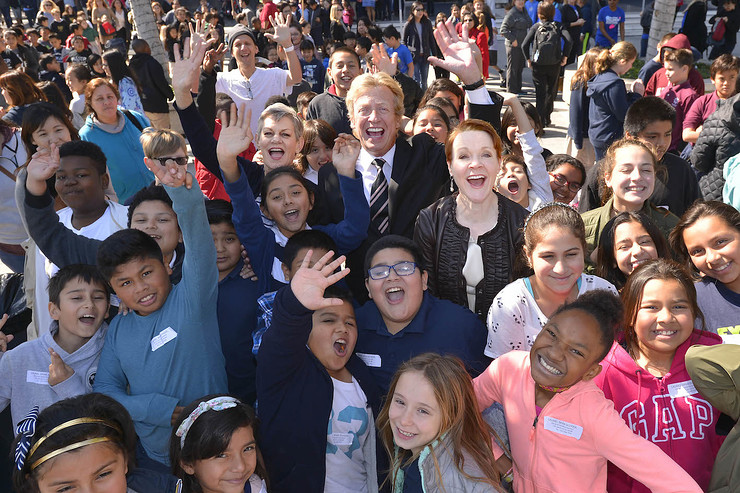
237	320
151	383
259	240
295	395
440	326
608	107
124	152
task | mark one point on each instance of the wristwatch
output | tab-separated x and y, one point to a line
474	85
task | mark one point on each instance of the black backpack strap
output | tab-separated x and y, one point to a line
133	120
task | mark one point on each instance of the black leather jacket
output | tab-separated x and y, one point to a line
444	245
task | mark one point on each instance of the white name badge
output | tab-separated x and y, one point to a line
682	389
38	377
730	338
341	439
163	338
563	427
372	360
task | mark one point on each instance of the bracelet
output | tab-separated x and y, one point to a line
474	85
289	49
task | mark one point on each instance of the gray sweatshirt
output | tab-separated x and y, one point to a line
24	372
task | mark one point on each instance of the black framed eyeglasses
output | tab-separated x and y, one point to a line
180	161
563	182
419	10
378	272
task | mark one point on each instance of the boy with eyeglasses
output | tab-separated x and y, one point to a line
402	320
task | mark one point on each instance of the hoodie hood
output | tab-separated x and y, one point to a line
602	82
619	358
677	42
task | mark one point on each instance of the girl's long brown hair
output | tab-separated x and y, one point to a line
586	70
462	423
659	269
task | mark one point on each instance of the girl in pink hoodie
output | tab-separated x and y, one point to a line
561	428
645	372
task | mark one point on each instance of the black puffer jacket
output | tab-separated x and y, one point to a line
719	141
444	245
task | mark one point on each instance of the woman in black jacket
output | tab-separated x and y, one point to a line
470	239
572	22
417	36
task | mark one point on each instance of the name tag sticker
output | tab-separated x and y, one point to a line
681	389
38	377
371	360
563	427
341	439
163	338
730	338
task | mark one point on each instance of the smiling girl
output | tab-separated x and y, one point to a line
562	429
645	372
629	177
555	247
431	428
629	240
708	239
214	448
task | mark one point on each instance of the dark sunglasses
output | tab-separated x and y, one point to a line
180	161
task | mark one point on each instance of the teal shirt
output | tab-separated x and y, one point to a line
150	383
124	153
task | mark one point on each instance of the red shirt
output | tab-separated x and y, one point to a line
681	97
268	11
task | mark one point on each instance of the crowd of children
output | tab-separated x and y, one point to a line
378	291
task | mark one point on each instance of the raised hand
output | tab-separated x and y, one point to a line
186	71
59	371
170	173
43	165
213	56
235	137
345	153
459	53
281	26
4	338
309	283
381	61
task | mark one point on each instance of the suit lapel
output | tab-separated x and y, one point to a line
401	162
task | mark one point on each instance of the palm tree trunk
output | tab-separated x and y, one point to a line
664	16
146	28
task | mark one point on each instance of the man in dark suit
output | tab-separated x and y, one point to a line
400	177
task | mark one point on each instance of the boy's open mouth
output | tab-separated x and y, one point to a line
513	187
340	347
394	295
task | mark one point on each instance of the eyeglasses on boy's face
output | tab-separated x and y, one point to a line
378	272
180	161
563	182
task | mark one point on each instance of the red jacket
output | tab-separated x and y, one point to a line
668	412
658	82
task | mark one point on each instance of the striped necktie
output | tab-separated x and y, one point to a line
379	200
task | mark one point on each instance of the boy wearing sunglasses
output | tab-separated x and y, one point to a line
402	320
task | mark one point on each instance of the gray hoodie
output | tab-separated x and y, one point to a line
24	372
